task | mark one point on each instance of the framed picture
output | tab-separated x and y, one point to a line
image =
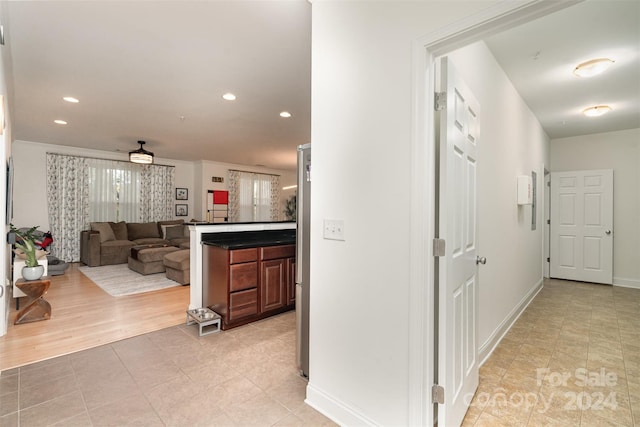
182	194
182	210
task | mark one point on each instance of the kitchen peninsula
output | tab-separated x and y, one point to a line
200	233
248	275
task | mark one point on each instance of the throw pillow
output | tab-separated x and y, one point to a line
140	230
105	230
120	230
169	222
173	231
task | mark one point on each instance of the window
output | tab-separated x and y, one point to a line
114	191
254	196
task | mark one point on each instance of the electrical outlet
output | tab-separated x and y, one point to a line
333	229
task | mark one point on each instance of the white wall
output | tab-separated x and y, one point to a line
619	151
5	154
361	138
512	143
30	195
30	206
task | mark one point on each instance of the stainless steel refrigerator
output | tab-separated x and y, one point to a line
303	203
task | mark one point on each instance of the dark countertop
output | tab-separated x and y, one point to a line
249	239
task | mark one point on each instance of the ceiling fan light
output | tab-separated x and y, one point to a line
593	67
141	155
596	111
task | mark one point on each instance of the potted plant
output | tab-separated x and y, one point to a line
27	244
290	208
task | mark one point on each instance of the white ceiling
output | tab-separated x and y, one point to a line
138	67
539	57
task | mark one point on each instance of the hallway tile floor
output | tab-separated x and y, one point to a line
246	376
571	359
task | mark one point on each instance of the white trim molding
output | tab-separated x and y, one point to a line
626	283
488	346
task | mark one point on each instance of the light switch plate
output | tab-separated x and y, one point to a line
333	229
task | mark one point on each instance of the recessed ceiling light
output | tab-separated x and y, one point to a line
229	97
596	111
71	99
285	114
60	122
593	67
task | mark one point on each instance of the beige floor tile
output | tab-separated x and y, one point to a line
9	402
53	411
261	410
48	389
11	420
129	411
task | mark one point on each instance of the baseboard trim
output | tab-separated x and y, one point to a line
487	348
339	412
626	283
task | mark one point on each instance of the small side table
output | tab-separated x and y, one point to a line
37	307
208	320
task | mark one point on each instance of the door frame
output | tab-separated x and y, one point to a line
493	20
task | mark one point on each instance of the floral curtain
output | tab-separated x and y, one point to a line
68	203
156	193
275	197
233	180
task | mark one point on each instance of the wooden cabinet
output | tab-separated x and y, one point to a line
243	285
291	277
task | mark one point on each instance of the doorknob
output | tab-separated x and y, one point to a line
607	232
481	260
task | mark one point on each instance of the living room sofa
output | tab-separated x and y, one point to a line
109	243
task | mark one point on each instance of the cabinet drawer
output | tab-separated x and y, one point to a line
243	255
243	303
243	276
274	252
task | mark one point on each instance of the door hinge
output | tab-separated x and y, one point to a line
439	247
437	394
440	101
548	259
548	221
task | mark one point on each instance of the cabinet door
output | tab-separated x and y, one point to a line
273	280
291	281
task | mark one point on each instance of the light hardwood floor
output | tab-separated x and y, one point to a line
84	316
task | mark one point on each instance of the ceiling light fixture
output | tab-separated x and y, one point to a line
229	97
593	67
596	111
141	155
285	114
60	122
71	99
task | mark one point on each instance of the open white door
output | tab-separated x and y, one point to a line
458	280
582	226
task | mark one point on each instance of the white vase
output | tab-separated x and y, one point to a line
33	273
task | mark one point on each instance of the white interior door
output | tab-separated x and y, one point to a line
582	226
457	219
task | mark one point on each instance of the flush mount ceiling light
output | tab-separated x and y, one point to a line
285	114
60	122
229	97
596	111
141	155
593	67
71	99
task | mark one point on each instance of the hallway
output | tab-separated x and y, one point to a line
571	359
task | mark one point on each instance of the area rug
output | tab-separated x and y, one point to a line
118	280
